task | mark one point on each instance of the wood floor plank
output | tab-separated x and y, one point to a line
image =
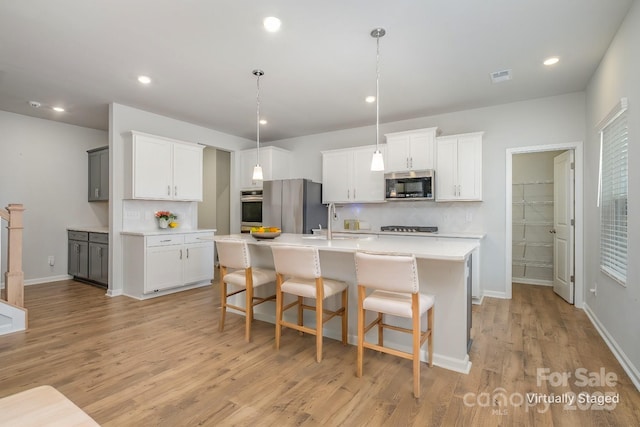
162	362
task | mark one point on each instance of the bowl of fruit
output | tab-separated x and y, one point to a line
265	232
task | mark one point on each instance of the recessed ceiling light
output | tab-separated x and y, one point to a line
58	109
145	80
34	104
551	61
370	99
271	24
263	122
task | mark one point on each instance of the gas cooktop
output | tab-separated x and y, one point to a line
409	228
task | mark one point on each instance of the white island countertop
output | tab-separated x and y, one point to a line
433	248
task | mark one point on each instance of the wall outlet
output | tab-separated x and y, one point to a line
51	260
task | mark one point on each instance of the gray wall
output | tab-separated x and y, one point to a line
616	309
43	165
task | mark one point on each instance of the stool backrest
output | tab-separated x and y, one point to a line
394	273
297	261
233	253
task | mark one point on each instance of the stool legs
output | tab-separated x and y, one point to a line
430	342
249	304
279	305
361	295
416	344
345	307
223	298
319	316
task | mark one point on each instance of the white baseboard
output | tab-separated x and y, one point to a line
477	300
617	351
114	292
48	279
43	280
495	294
528	281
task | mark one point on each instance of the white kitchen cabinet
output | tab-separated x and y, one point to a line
158	168
158	264
459	167
410	150
347	176
275	162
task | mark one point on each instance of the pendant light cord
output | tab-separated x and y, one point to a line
377	90
258	120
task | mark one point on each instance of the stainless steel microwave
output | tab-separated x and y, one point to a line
413	185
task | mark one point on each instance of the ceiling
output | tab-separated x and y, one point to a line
435	58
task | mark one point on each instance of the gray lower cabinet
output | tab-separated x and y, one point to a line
79	254
99	258
89	257
98	174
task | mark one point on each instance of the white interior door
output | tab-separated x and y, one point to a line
563	229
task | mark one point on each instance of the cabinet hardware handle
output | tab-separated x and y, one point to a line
354	194
163	241
407	159
411	162
348	192
97	192
187	252
175	192
180	253
168	190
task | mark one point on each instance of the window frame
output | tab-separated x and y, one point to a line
613	201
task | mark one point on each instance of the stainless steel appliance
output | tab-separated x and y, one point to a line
409	228
293	205
251	208
413	185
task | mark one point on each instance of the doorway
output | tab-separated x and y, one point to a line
530	211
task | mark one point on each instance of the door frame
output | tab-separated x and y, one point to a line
579	285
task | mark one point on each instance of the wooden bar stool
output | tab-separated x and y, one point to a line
396	292
234	254
301	268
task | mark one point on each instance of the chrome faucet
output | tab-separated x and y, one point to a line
331	211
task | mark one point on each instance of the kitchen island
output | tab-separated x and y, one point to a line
443	269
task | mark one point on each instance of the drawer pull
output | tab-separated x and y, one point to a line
163	241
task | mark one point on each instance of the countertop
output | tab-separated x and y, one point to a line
90	229
447	249
160	232
453	235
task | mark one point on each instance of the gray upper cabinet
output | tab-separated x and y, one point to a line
98	174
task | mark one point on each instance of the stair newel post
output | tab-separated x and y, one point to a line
14	277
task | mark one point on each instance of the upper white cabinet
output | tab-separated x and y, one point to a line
459	167
347	176
410	150
158	168
275	162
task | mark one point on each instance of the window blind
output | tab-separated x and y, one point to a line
613	198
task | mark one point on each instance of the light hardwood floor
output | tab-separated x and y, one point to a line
163	362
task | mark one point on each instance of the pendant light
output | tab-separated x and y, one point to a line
377	161
257	169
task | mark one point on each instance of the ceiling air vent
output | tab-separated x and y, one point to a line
501	76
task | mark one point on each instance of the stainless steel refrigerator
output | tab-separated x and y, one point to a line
293	205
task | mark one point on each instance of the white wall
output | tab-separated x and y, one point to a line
122	120
543	121
44	165
616	309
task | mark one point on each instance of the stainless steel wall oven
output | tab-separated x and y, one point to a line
251	208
